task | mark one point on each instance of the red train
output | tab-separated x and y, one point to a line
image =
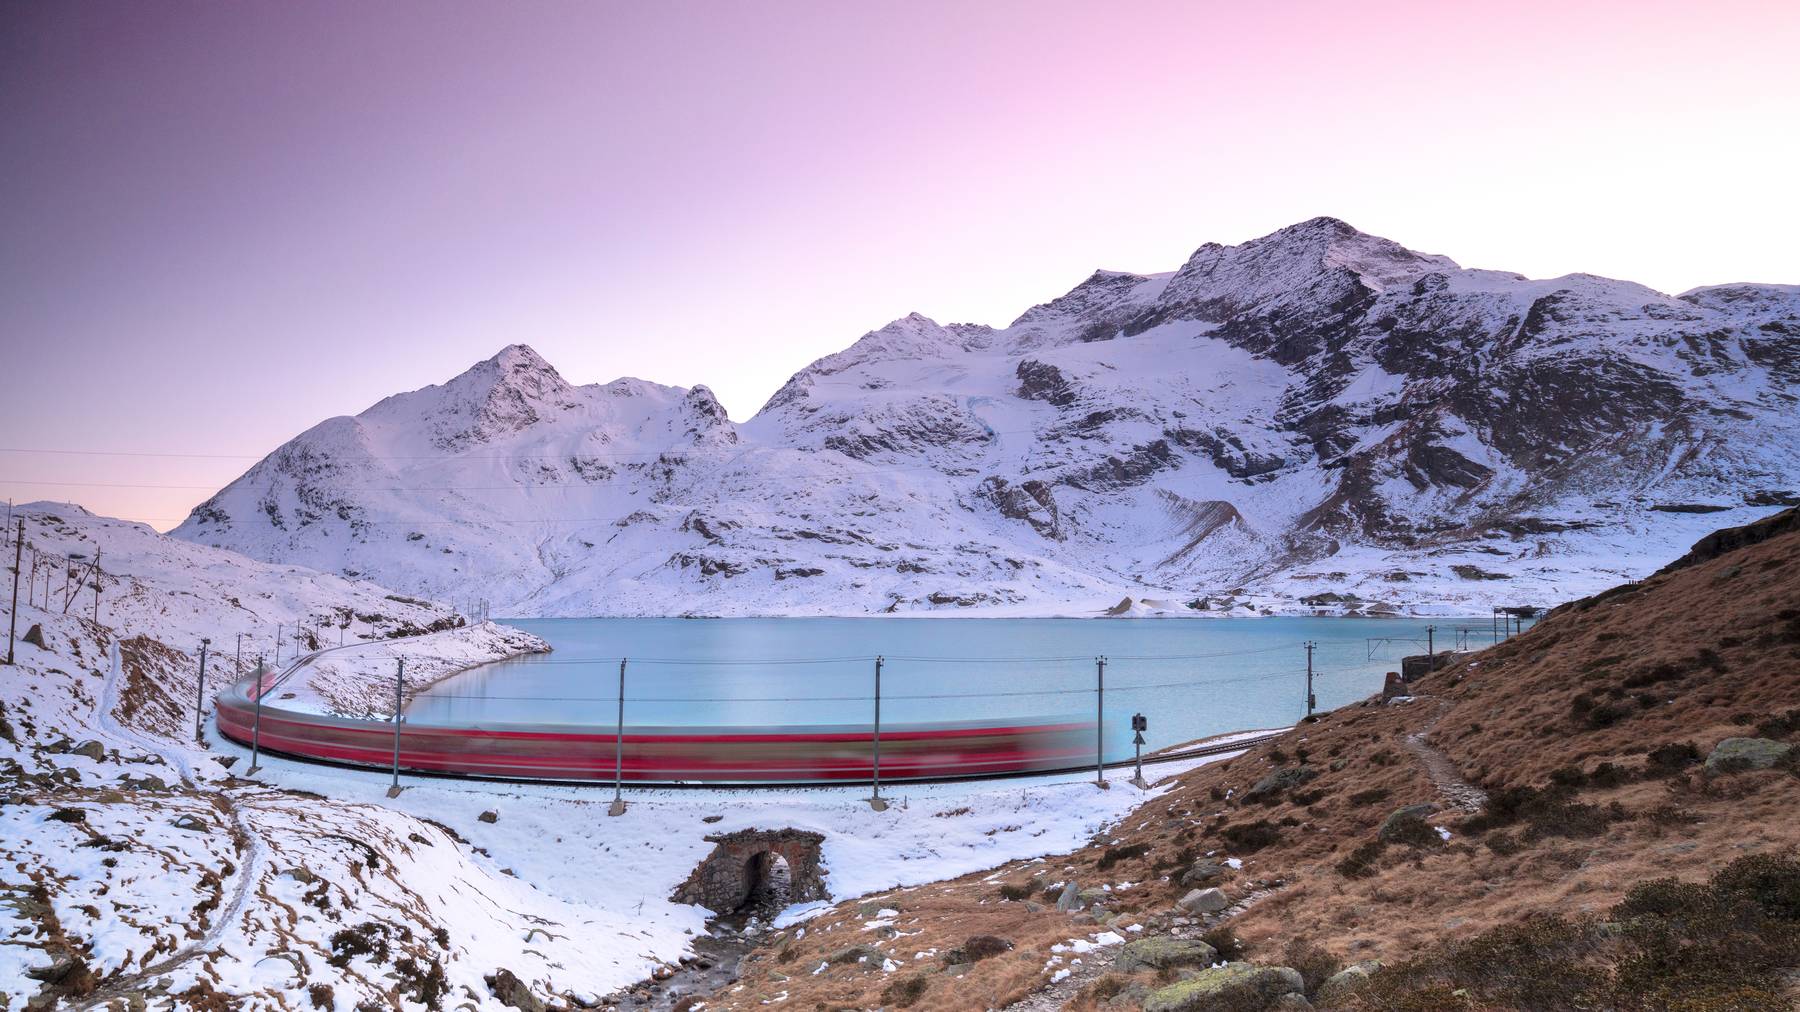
664	755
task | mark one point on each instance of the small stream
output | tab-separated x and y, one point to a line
713	965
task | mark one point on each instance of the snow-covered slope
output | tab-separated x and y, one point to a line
140	868
1318	413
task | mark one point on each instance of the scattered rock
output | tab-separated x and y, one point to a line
227	761
35	636
1163	952
857	954
191	823
1341	985
712	818
1203	873
1069	900
1205	901
489	817
1735	755
1226	988
1399	826
1279	781
151	783
512	992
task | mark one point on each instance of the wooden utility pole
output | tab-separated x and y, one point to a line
13	616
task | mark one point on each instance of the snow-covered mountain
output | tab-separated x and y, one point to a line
1313	417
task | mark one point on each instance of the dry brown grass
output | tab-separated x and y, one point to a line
1695	655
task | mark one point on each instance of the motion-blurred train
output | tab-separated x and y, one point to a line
662	755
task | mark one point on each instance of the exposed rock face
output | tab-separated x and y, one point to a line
1309	412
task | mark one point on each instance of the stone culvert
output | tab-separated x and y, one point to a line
741	863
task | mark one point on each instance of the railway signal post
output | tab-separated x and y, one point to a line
1138	726
1312	701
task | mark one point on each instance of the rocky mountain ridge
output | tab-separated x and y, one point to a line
1316	418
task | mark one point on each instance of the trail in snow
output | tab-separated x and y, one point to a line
251	857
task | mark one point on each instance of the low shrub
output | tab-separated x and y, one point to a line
1114	855
1364	861
1314	962
905	992
1249	837
1229	946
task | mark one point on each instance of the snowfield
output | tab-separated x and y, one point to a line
1316	412
141	865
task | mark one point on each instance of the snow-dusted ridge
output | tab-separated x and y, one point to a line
1316	412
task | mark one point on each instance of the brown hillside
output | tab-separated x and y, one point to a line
1560	765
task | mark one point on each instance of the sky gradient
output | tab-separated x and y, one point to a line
225	223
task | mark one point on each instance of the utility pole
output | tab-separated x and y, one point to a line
13	616
399	680
1311	701
97	575
618	802
200	697
875	801
1430	648
278	644
238	665
1100	723
256	722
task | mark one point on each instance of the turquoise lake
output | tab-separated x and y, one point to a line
1189	677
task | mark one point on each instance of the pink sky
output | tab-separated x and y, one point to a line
225	223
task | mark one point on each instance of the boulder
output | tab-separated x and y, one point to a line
857	954
1069	900
1737	754
1279	781
1161	952
1341	985
35	636
92	749
1291	1003
1227	988
1203	873
1399	826
489	816
191	823
512	992
1205	901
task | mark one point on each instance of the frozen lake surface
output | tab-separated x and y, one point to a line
1190	677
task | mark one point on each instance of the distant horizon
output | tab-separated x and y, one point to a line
231	222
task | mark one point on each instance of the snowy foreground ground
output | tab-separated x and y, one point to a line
136	863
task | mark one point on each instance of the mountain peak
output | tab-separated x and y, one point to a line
520	356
